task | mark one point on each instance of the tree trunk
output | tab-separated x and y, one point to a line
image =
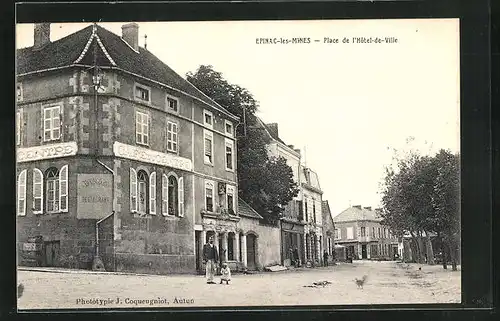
430	251
415	252
421	249
453	253
444	252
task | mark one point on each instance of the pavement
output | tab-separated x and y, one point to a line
387	283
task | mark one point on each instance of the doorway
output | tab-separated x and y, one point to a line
251	252
52	253
363	252
198	246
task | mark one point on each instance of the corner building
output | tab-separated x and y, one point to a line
119	158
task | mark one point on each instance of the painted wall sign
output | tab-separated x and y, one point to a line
95	198
29	154
150	156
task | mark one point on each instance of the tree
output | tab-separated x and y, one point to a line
264	183
421	196
446	204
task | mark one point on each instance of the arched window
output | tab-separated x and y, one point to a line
173	195
21	193
37	191
133	190
52	188
142	191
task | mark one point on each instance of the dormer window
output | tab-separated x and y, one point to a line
229	128
208	118
142	93
172	104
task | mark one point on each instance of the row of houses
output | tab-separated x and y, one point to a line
122	164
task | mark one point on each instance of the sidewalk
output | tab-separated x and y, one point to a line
290	269
77	271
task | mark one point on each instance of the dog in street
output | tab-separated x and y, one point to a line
360	282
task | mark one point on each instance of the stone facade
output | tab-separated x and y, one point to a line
116	132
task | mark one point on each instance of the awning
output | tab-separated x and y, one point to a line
338	246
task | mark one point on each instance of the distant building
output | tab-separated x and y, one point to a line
328	229
360	231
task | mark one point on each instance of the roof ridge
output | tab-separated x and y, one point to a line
99	42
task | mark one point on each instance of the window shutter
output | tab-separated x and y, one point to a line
21	194
37	191
18	128
164	194
63	189
133	190
208	146
152	193
181	197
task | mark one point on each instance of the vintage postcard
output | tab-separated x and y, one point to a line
237	163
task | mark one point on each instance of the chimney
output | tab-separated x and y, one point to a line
357	206
368	208
41	35
297	150
274	128
291	146
130	33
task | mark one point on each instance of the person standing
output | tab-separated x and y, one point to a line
325	258
296	258
210	258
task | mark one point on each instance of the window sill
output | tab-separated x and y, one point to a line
229	170
51	141
142	215
148	102
170	217
208	163
45	213
142	144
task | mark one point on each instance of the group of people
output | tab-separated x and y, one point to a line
211	259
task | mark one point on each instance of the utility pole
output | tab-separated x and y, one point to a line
96	82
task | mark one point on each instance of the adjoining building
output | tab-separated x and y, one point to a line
328	230
359	229
313	217
301	224
119	158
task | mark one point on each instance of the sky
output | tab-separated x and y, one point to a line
347	106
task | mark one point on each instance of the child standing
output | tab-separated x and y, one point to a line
225	273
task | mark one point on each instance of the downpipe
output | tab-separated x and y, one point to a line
97	258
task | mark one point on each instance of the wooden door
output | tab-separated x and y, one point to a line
251	252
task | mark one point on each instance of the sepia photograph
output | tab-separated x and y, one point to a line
248	163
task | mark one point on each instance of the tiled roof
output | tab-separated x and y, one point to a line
62	52
356	214
246	210
67	51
